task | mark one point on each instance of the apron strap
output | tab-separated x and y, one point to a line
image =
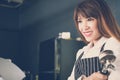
102	48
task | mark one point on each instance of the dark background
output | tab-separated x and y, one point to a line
22	29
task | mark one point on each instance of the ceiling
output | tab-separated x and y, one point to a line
9	13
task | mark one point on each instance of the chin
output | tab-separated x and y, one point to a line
88	39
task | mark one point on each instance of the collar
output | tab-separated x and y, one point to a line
98	44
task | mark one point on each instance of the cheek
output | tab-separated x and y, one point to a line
94	27
97	33
79	27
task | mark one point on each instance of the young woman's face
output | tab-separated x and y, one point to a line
89	28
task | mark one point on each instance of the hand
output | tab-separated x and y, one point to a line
96	76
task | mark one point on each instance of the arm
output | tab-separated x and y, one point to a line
115	74
114	45
96	76
71	77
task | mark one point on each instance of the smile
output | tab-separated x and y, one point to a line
87	34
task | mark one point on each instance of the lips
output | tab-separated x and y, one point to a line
87	34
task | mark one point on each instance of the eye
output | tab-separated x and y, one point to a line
79	21
90	19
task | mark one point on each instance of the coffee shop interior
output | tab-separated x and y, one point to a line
39	36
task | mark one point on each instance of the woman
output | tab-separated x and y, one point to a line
98	28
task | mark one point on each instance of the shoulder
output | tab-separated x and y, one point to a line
113	39
80	51
113	44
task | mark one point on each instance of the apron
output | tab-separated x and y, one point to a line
87	66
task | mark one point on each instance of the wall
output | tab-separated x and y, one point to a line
9	36
42	24
44	20
9	42
9	18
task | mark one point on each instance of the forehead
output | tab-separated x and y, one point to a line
80	16
86	13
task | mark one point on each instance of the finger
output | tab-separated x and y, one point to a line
98	76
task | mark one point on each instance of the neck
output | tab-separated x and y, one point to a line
95	41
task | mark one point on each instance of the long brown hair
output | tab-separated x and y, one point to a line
100	10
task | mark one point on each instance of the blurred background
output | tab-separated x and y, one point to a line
27	25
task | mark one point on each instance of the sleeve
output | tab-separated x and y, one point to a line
114	45
71	77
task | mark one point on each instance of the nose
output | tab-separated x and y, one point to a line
85	25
